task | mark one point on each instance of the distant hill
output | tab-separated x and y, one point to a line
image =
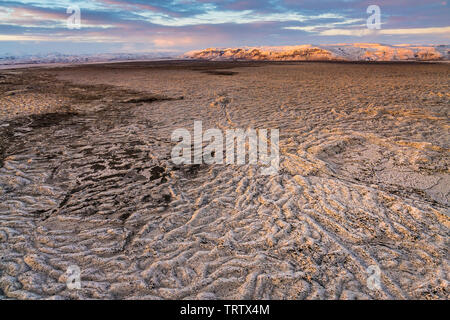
335	52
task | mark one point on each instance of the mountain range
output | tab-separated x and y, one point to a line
334	52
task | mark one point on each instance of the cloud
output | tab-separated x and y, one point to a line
366	32
192	24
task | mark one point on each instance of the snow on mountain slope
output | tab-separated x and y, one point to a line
10	59
305	52
335	52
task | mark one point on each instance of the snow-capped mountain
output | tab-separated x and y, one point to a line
335	52
10	59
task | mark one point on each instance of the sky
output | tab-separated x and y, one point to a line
138	26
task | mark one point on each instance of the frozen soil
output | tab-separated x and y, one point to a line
86	179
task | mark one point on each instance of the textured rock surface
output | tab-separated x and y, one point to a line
364	181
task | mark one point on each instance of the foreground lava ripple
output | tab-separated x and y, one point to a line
86	179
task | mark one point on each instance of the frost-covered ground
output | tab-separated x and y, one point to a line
86	179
